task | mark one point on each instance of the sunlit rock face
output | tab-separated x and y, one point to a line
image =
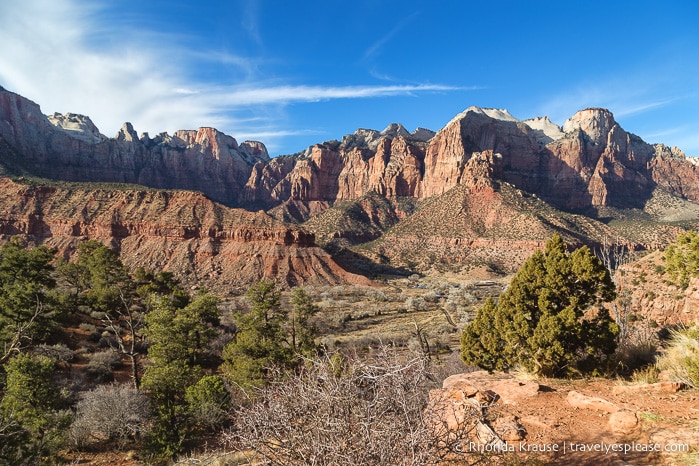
589	161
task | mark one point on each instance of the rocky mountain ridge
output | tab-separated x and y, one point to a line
185	232
69	147
589	161
504	184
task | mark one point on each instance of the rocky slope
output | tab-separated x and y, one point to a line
202	242
69	147
491	188
589	161
656	299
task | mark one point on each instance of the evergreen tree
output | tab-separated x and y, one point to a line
32	424
179	339
107	281
260	339
303	333
545	321
682	258
25	305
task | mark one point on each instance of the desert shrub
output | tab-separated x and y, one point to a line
98	315
681	356
413	304
58	352
682	258
634	355
89	328
376	295
102	364
344	411
431	297
545	321
109	412
208	402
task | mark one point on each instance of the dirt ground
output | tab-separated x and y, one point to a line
666	420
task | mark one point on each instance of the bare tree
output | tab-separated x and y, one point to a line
347	412
126	327
22	334
614	256
114	412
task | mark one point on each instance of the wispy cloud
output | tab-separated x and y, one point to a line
666	132
276	134
376	47
246	96
643	107
624	99
642	104
49	55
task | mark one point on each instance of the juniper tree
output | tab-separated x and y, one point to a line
260	339
25	303
547	320
179	338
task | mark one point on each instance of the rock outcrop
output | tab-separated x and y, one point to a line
489	188
589	161
69	147
201	242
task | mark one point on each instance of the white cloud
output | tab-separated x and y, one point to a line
635	108
376	47
245	96
68	58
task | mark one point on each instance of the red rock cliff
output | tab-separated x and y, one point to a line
200	241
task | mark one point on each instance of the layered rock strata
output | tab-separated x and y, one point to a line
184	232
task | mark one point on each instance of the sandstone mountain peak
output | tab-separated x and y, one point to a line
546	130
79	126
395	130
127	133
422	134
361	138
494	113
370	138
595	122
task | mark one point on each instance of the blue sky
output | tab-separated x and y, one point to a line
294	73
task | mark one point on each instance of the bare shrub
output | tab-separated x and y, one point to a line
638	348
414	304
347	412
109	412
102	364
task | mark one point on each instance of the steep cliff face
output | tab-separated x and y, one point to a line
200	241
474	131
389	163
589	161
69	147
609	163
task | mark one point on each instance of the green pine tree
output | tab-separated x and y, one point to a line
260	340
546	321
